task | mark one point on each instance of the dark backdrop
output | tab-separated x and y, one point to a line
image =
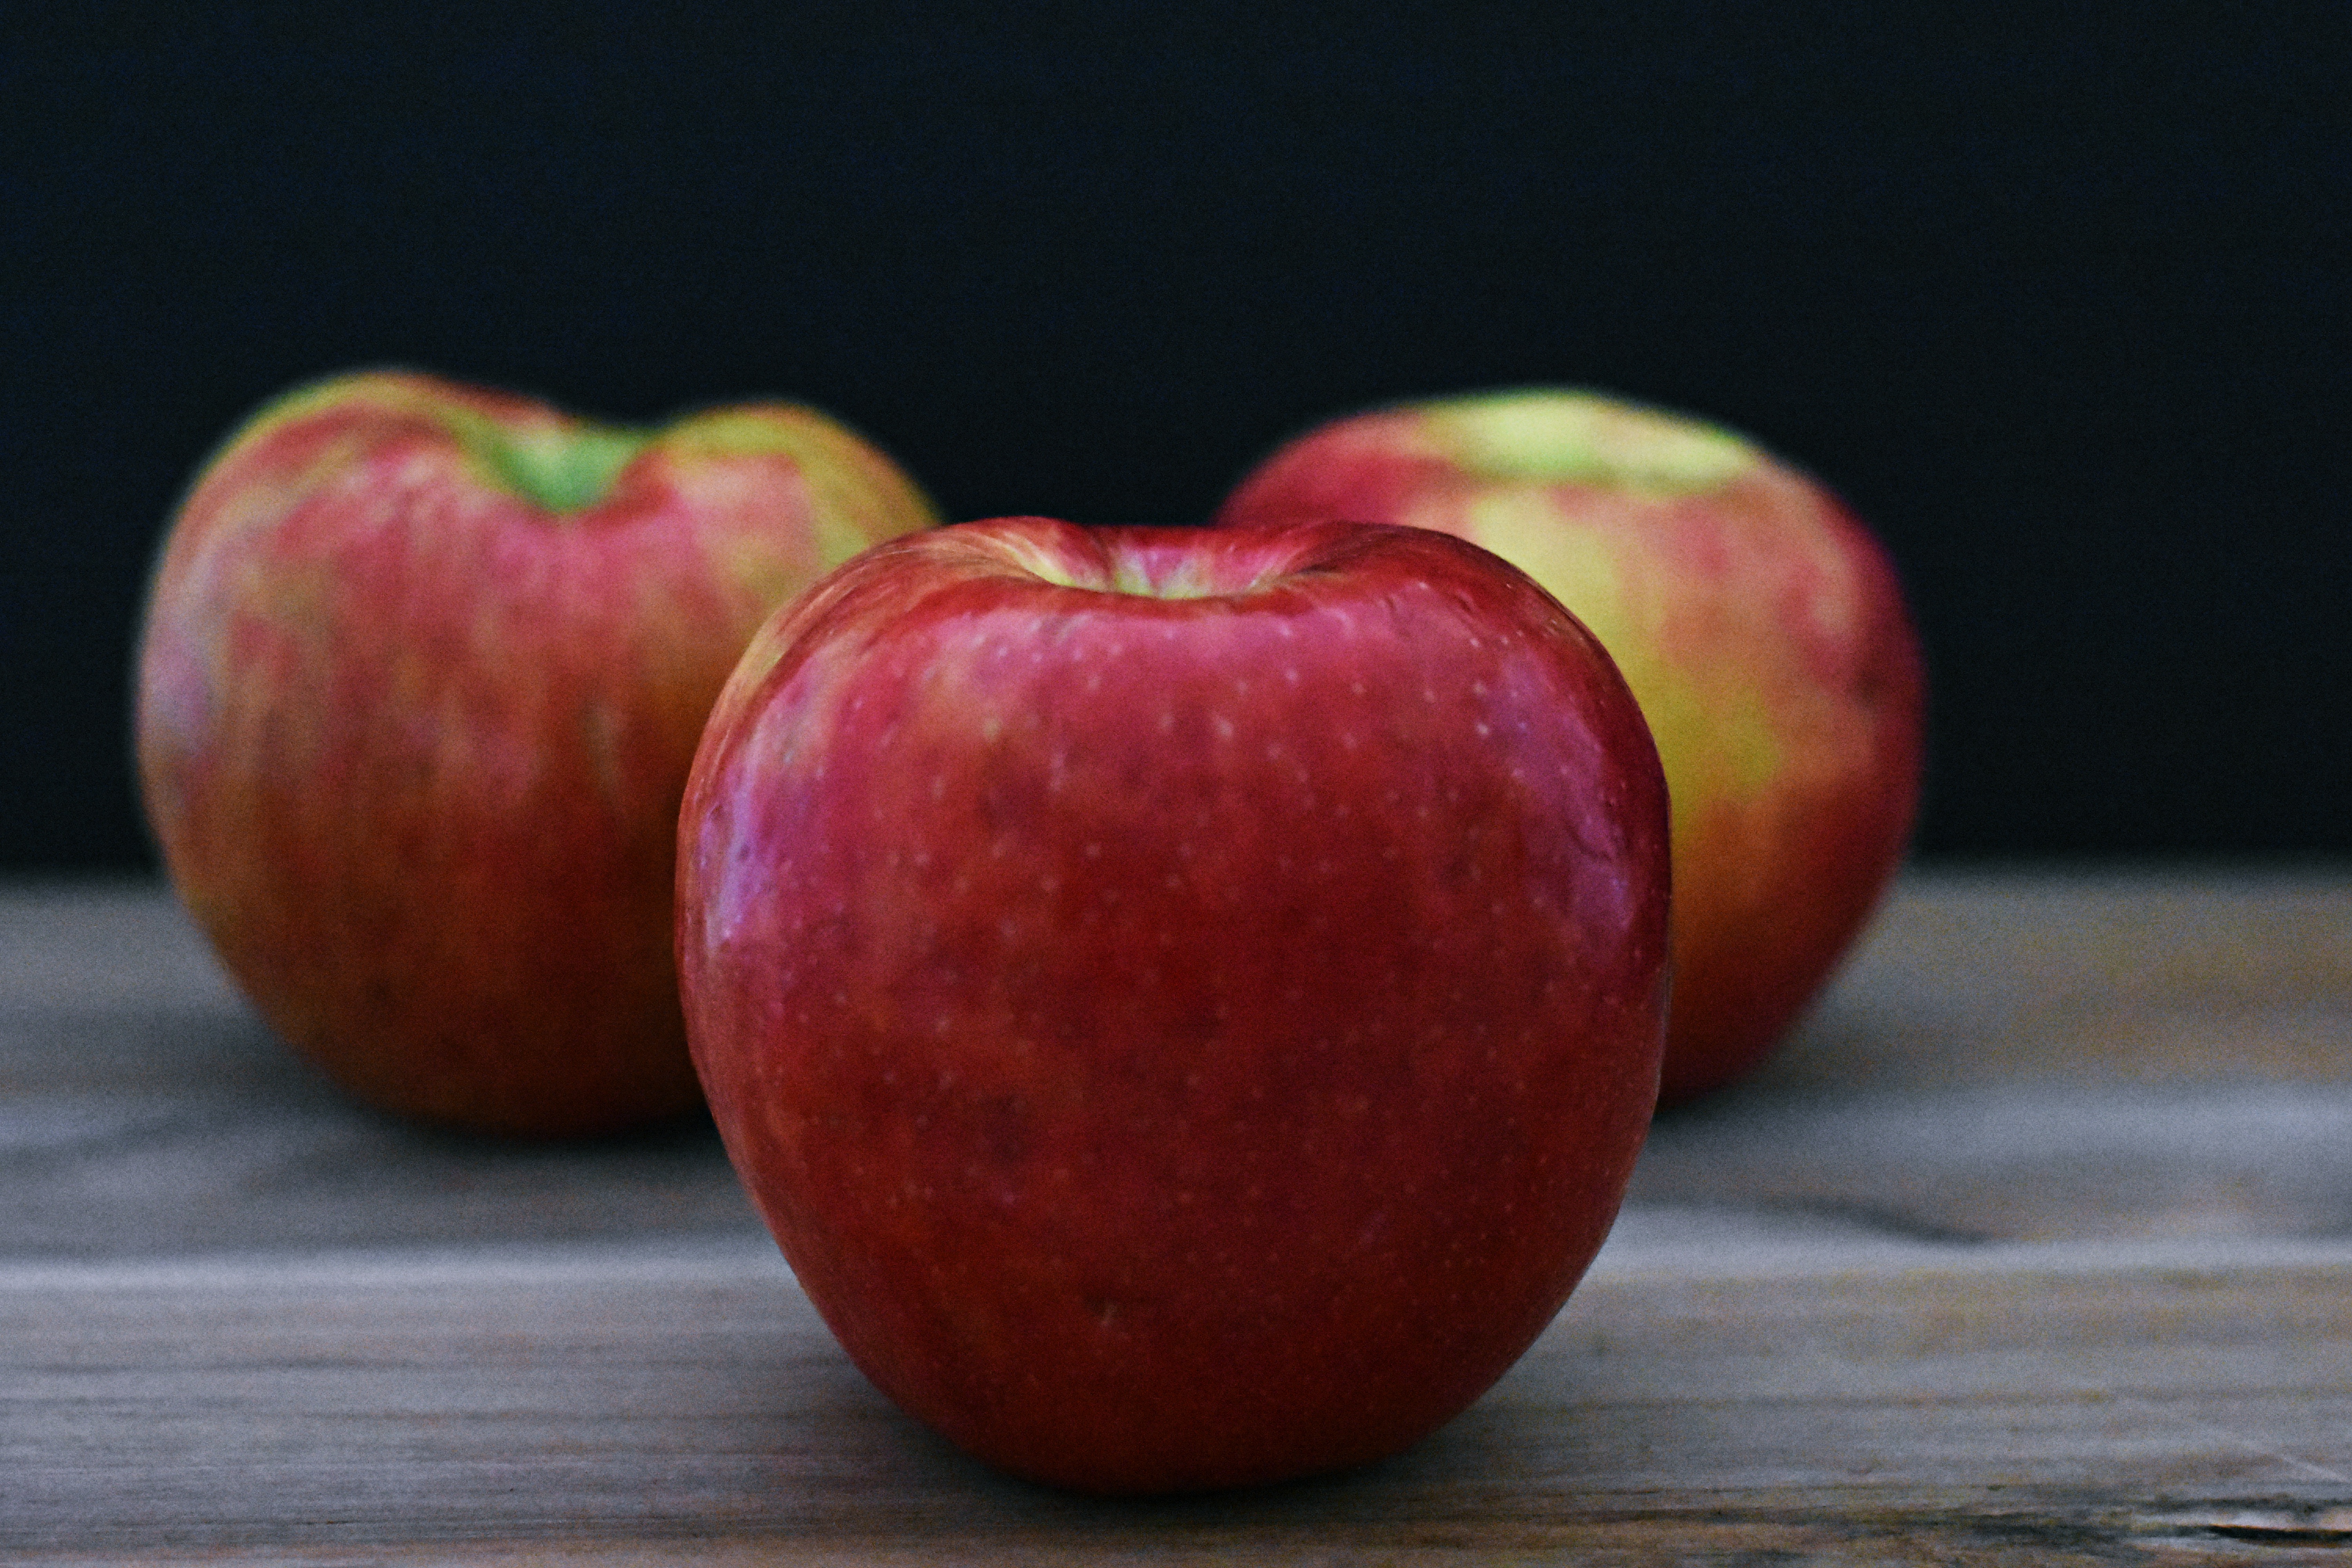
2057	299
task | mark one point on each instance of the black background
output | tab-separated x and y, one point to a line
2057	299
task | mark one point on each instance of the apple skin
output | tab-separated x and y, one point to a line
411	742
1187	1004
1759	622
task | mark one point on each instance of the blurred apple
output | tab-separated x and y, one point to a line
1759	622
1187	1002
421	671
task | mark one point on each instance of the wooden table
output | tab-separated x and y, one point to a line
2036	1246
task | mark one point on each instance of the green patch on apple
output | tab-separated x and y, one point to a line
1577	438
564	469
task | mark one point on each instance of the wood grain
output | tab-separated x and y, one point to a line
586	1399
2036	1246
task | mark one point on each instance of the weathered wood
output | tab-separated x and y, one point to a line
143	1109
2036	1246
599	1396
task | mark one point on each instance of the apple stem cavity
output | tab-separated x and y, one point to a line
1143	563
562	469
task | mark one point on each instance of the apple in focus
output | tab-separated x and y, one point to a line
1759	622
422	670
1187	1002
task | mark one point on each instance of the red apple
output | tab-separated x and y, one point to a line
423	670
1186	1003
1759	622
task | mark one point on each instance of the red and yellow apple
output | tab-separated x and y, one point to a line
421	671
1186	1002
1759	622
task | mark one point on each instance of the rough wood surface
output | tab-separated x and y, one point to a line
2036	1246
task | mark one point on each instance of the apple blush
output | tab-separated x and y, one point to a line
421	671
1186	1002
1759	622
